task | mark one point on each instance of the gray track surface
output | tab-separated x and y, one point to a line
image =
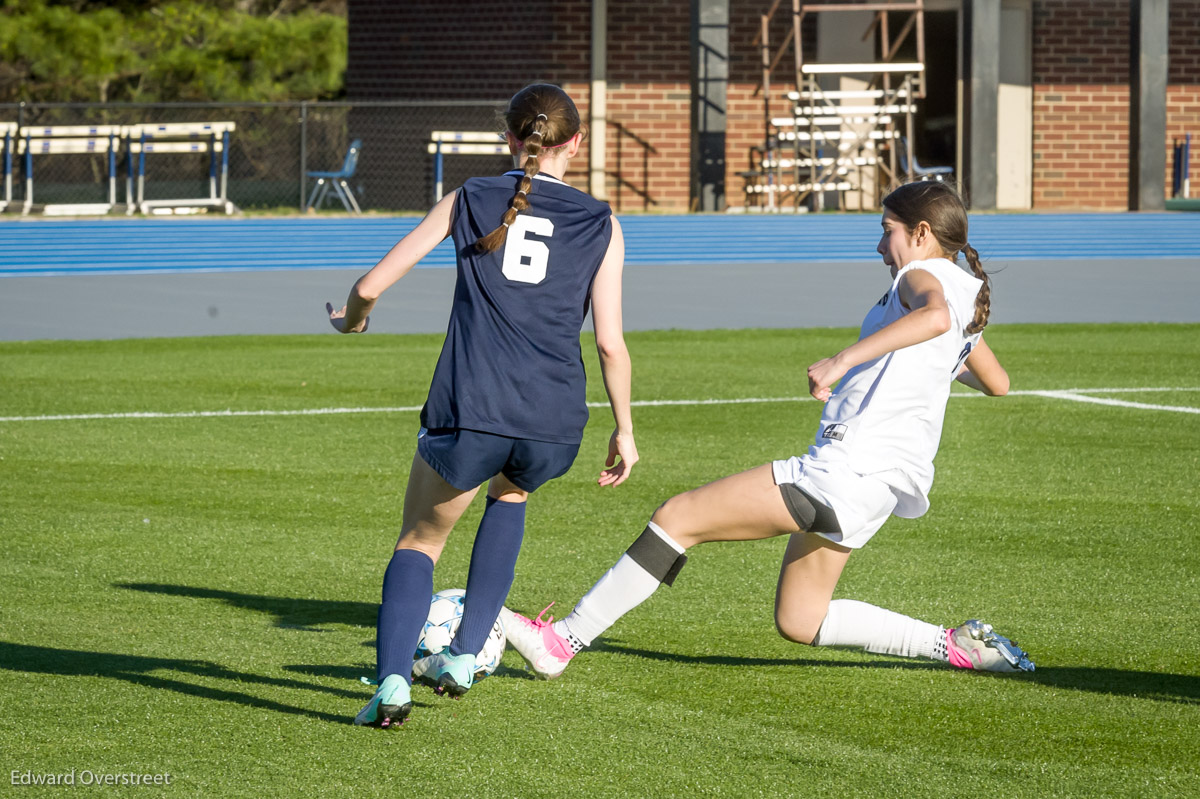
692	297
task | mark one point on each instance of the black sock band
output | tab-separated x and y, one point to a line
656	556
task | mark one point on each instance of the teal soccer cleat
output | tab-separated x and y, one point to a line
390	705
448	674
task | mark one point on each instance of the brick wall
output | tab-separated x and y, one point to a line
745	111
485	50
415	50
1183	84
1081	98
401	51
649	105
1080	103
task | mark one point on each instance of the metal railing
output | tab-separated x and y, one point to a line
272	149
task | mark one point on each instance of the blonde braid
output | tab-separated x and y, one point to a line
983	300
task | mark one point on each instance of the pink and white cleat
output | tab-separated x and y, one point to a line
975	645
546	652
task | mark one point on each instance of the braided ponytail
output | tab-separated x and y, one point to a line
520	201
541	116
983	300
942	208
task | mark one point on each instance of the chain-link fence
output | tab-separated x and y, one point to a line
271	150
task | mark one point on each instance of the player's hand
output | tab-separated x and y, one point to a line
622	455
822	375
338	320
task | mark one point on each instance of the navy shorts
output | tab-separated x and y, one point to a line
468	458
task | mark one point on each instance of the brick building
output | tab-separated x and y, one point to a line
1067	116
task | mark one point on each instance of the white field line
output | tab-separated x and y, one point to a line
1071	394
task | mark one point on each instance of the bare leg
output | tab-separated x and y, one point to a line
431	508
811	568
805	613
742	507
503	489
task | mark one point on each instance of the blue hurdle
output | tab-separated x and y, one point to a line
67	139
444	142
10	131
179	137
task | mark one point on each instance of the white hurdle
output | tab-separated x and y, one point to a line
66	139
9	129
470	142
179	137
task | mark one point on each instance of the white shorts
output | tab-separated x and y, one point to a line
861	503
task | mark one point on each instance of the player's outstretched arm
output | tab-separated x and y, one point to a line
920	292
614	359
983	371
419	242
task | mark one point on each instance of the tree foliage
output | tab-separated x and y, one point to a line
171	50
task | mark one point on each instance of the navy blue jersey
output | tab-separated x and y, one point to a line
511	363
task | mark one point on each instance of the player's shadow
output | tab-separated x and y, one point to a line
289	612
354	672
1155	686
142	670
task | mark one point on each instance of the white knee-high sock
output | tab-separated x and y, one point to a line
623	587
884	632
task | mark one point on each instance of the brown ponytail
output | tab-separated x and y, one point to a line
983	300
541	116
940	206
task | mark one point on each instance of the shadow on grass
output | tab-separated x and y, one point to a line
353	672
1179	688
298	614
137	669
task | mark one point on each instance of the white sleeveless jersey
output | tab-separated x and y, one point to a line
885	418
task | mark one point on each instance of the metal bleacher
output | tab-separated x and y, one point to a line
843	120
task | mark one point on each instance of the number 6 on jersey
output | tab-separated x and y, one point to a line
525	259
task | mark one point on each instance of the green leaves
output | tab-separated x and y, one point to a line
183	50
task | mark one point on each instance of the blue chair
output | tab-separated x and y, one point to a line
923	172
337	180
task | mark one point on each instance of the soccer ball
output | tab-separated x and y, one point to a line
445	614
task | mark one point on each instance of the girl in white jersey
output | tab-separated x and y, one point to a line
873	458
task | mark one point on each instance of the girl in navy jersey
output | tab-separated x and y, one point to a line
873	458
506	405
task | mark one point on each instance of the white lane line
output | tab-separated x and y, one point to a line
1070	394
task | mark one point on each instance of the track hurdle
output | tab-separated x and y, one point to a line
10	131
447	142
69	139
179	137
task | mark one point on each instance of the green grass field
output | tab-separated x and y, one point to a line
196	595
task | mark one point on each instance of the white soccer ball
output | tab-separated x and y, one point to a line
445	614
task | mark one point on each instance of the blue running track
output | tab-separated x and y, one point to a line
130	246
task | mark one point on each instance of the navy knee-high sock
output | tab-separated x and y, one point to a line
490	576
407	587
